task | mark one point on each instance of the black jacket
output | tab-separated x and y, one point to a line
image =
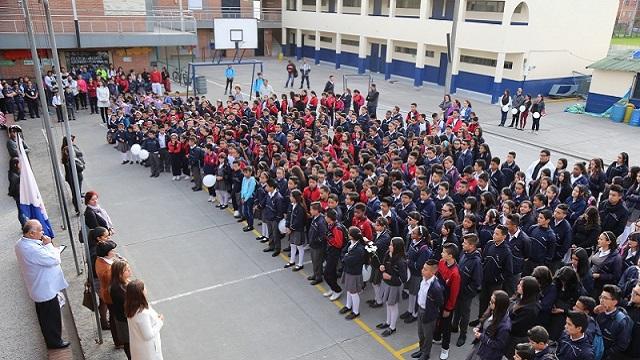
470	268
352	260
613	217
317	233
497	263
523	318
397	268
93	220
520	249
14	185
296	218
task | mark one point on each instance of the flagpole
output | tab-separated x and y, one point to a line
47	127
72	158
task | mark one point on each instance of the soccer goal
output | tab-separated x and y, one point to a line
360	82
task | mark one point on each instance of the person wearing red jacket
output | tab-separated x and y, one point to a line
92	88
175	154
361	221
358	101
156	81
311	193
335	241
449	275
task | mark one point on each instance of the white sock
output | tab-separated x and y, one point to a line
265	229
300	254
349	303
124	156
355	300
294	251
392	310
388	321
412	304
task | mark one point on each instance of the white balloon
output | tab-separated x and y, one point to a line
522	108
366	272
282	226
135	149
514	111
505	108
209	180
536	115
144	154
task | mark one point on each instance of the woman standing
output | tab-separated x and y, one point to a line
223	181
525	113
106	255
353	258
597	178
505	103
68	172
537	109
120	274
175	154
606	263
14	187
381	242
493	333
94	215
580	264
144	323
569	290
104	102
523	312
620	167
394	274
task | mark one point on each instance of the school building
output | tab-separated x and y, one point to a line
533	44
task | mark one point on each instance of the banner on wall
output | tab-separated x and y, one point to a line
86	58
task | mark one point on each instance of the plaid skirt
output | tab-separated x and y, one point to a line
390	294
122	147
352	283
296	238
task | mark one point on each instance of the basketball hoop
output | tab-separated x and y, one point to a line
236	36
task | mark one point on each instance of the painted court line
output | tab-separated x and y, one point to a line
213	287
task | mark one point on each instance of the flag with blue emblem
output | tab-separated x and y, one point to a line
31	202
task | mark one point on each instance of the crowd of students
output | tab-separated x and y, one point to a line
551	253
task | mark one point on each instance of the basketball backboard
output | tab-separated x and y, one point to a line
229	32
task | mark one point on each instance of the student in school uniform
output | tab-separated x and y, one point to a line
247	195
353	257
470	268
418	252
336	238
122	145
273	213
394	274
430	300
317	241
152	145
295	221
381	240
449	275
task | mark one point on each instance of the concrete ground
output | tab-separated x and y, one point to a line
221	296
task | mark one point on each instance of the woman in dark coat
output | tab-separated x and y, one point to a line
381	241
493	333
353	257
120	273
586	229
523	311
569	290
14	187
606	263
394	274
94	215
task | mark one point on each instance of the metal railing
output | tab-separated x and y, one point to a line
208	14
158	22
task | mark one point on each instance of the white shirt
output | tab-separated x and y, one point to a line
424	290
40	268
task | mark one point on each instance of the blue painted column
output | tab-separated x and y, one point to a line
338	60
362	53
417	77
419	71
298	44
361	65
339	43
387	70
388	60
496	92
298	52
454	85
316	53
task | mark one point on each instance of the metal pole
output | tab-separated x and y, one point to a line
452	47
72	157
181	16
47	126
75	22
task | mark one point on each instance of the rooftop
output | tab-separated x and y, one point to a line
626	61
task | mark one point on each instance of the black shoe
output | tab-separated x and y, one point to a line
288	265
311	277
151	175
382	326
416	355
125	162
344	310
156	175
375	305
371	302
287	249
461	340
510	126
264	240
351	316
258	238
62	345
275	253
405	315
315	282
474	323
388	332
410	319
223	207
298	268
196	189
267	250
247	228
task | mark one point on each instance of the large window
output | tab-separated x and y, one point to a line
485	6
348	42
484	61
324	39
309	2
408	4
406	50
351	3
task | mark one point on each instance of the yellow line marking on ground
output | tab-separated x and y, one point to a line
374	335
407	349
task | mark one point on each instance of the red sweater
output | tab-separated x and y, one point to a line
451	277
336	239
364	225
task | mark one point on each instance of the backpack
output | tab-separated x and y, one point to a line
598	346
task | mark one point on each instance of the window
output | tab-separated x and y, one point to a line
326	39
485	6
348	42
408	4
406	50
291	5
351	3
429	53
484	61
309	2
518	9
311	37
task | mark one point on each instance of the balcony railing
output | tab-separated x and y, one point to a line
158	22
208	14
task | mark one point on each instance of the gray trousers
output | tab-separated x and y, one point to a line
463	313
425	334
154	164
274	235
317	257
196	173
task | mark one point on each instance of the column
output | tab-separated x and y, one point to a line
283	42
339	6
392	8
388	59
364	7
417	78
316	53
298	44
318	6
424	7
496	90
298	5
362	54
338	47
455	66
